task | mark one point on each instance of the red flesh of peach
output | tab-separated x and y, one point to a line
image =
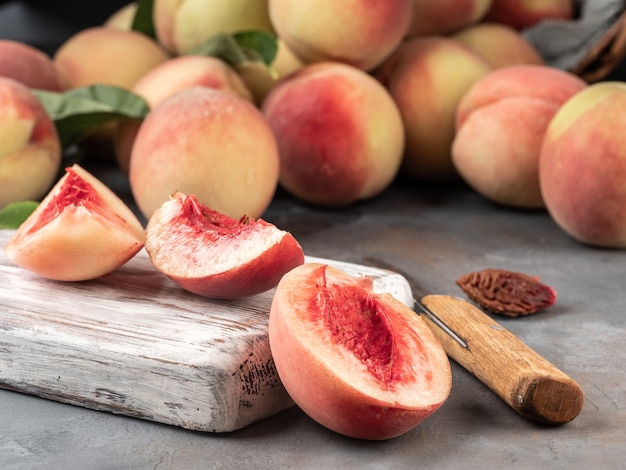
211	254
81	230
359	363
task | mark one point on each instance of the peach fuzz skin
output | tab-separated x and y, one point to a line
499	44
359	33
521	14
501	123
445	16
168	78
339	133
427	77
29	66
30	150
583	165
210	143
122	57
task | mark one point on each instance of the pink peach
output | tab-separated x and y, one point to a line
339	133
210	143
445	16
168	78
522	14
28	65
582	166
502	120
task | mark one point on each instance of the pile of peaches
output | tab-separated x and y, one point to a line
357	94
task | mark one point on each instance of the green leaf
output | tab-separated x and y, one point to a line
263	44
78	112
143	22
13	215
245	46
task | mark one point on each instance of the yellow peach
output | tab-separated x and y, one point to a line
500	44
122	18
182	25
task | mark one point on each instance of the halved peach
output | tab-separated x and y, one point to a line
360	363
211	254
81	230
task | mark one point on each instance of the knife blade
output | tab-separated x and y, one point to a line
530	384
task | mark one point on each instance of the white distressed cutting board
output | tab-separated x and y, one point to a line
135	343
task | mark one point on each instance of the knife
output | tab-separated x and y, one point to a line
526	381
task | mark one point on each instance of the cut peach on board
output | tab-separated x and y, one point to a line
359	363
81	230
211	254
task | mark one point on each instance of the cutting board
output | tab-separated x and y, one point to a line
134	343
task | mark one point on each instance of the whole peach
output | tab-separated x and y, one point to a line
445	16
522	14
501	123
182	25
361	33
168	78
210	143
107	56
30	150
339	133
28	65
582	166
427	77
500	44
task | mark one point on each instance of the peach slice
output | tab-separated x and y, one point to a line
360	363
211	254
80	231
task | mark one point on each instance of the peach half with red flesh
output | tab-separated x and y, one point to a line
359	363
81	230
211	254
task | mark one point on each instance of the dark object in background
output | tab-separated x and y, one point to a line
46	25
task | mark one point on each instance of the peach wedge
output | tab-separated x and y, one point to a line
81	230
213	255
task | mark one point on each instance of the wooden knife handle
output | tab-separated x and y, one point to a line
531	385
